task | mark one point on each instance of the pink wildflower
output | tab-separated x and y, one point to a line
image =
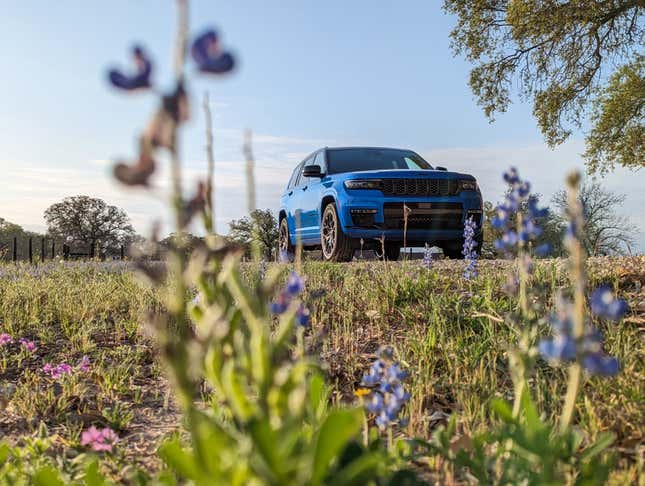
28	345
5	339
57	371
99	440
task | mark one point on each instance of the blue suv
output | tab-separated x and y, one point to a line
341	199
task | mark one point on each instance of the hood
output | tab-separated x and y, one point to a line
404	174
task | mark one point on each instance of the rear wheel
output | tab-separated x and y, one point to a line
285	241
392	252
336	247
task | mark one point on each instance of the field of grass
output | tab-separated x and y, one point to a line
451	333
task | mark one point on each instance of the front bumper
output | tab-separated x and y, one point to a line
429	219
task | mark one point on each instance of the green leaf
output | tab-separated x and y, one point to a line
92	475
179	460
47	476
337	430
359	471
235	392
502	409
603	441
318	395
267	444
5	452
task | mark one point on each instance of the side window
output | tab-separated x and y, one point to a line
320	160
294	176
304	180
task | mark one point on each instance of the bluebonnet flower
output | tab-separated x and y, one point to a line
469	251
388	396
603	304
519	192
291	290
138	80
587	350
427	257
208	55
295	285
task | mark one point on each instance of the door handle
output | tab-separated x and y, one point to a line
305	188
290	193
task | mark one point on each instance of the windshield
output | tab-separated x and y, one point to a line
360	159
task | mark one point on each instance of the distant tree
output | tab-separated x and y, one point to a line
89	221
243	231
605	232
559	54
187	242
552	229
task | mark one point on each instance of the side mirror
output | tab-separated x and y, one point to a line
440	168
312	171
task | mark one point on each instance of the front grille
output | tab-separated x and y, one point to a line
432	216
419	187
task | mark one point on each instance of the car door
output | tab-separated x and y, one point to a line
311	197
289	201
297	223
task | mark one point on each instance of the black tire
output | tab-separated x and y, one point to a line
453	252
336	247
284	242
392	252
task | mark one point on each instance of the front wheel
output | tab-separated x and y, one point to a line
336	247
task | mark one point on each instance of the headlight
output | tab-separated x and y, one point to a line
363	184
467	185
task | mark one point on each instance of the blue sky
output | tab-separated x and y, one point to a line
310	74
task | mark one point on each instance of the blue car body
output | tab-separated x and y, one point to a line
437	203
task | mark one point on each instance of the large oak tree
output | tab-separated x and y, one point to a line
89	221
576	60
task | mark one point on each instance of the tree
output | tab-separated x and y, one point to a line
243	231
89	221
559	54
605	232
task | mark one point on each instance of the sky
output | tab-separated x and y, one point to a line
310	74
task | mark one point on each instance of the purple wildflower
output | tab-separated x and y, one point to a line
388	395
469	251
208	55
138	80
603	304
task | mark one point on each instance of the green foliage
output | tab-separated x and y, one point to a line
618	134
259	228
89	221
526	450
559	54
269	422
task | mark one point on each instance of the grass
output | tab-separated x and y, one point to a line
451	333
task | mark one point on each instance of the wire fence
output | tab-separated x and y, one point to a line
39	249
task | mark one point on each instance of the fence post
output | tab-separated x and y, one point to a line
15	248
42	249
31	250
92	251
53	249
122	252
